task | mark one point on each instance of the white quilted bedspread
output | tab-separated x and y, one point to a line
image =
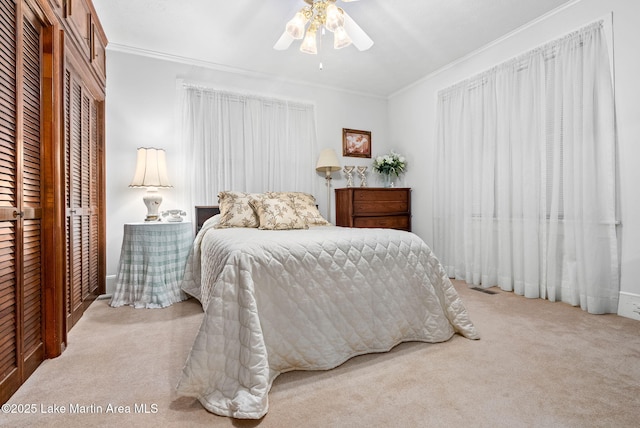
311	299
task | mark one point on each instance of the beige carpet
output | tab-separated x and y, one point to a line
538	364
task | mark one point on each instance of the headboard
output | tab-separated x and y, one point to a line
203	213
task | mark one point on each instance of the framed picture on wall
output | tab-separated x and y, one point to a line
356	144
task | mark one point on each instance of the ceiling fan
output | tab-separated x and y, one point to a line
323	14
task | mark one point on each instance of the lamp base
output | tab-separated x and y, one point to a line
328	178
152	199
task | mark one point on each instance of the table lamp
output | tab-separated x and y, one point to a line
151	172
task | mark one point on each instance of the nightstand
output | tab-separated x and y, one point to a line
381	207
152	262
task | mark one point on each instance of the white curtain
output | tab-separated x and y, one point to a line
525	175
243	142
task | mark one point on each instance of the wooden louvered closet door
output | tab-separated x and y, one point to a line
81	193
21	296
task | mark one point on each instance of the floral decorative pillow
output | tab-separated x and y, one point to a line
277	213
236	211
305	205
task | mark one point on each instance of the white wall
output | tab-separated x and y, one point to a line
412	113
141	111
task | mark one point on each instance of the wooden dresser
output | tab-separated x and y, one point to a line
388	208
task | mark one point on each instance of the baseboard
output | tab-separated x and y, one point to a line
629	305
110	284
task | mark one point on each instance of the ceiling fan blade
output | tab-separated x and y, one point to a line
283	42
358	36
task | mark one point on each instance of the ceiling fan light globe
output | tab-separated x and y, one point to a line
295	27
340	38
332	25
309	45
334	17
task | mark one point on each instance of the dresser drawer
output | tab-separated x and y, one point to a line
381	195
386	222
374	207
380	207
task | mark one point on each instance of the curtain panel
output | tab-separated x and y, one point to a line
525	175
250	143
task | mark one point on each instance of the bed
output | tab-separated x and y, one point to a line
306	298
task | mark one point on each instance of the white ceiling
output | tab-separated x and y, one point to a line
412	37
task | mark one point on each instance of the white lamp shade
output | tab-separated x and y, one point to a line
335	17
309	45
151	169
340	38
295	27
328	161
